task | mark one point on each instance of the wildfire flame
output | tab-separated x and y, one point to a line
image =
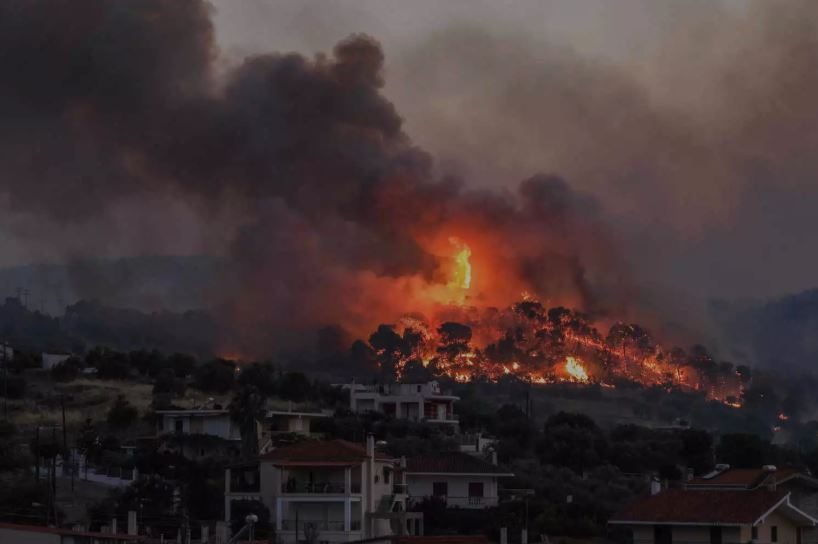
460	280
575	369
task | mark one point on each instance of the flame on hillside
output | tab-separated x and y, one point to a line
575	370
538	344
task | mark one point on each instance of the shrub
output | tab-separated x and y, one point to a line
122	415
67	370
13	387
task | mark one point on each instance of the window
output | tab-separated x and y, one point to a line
179	425
418	389
774	534
754	533
715	535
386	473
440	489
475	489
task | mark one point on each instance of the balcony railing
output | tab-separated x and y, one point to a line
461	502
446	417
400	489
319	525
325	488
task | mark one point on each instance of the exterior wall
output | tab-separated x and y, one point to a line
213	424
415	402
787	531
686	534
28	537
327	508
421	485
804	498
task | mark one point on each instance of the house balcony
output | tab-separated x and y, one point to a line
461	502
449	419
319	488
306	525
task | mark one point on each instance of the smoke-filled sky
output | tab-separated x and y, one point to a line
693	122
591	151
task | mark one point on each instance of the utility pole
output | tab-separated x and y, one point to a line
5	382
54	473
37	453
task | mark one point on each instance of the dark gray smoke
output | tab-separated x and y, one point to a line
338	217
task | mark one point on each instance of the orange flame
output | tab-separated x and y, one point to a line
460	280
576	370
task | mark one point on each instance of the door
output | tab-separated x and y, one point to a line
715	535
475	493
662	534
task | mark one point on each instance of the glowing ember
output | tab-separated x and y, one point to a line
783	417
576	370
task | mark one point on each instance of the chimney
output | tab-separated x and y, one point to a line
494	457
524	536
655	486
370	446
503	535
113	525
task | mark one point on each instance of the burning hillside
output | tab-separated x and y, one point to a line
326	209
541	345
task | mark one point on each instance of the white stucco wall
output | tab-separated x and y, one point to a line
212	424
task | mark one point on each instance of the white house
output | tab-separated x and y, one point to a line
195	432
334	489
213	422
416	402
459	479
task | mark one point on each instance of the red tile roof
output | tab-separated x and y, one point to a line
65	532
318	452
453	462
744	478
708	507
453	539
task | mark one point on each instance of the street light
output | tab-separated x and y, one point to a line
251	521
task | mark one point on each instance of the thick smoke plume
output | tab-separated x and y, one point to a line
338	217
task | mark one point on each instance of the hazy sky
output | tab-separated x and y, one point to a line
693	124
682	117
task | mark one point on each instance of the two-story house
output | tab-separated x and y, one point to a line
198	432
415	402
708	516
333	491
459	479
